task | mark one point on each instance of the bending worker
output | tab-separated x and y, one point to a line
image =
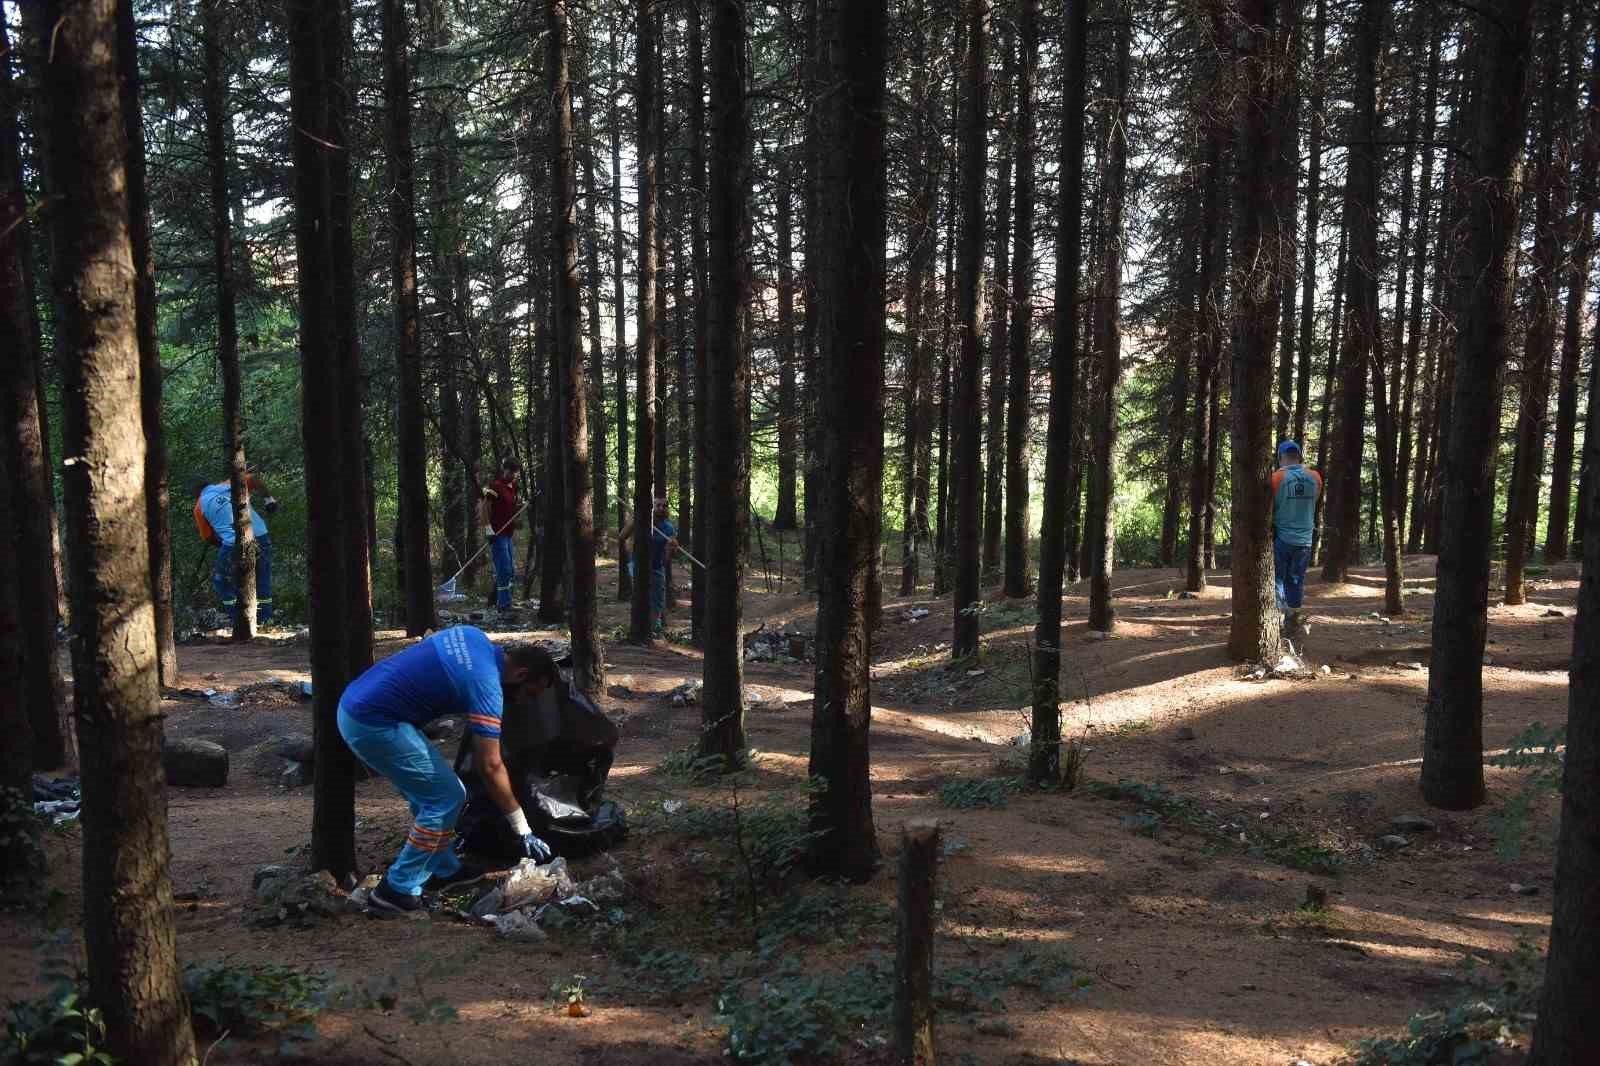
213	517
458	671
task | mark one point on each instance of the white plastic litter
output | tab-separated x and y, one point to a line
518	926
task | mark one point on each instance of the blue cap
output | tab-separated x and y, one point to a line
1288	446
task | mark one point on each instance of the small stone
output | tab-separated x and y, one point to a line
1411	823
1183	732
1188	595
1316	897
296	747
1393	842
316	894
296	775
1524	890
195	763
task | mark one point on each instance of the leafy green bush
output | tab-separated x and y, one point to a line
227	998
58	1029
794	1013
968	793
21	853
1472	1029
1537	750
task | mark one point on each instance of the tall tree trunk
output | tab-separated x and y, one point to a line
129	938
311	26
1342	532
1100	523
1182	334
1567	1029
337	50
919	265
1587	165
1580	521
588	660
409	425
1261	240
1210	290
22	860
1292	37
30	534
1020	374
811	486
942	560
966	417
702	311
1407	472
619	312
647	158
150	372
854	202
1330	380
786	516
599	452
999	360
216	114
727	374
1308	293
1044	754
1452	752
1559	101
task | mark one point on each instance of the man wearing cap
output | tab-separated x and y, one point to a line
1295	489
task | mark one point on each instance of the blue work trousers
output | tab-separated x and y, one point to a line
1289	564
400	752
503	552
223	584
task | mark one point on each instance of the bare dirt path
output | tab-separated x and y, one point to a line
1193	941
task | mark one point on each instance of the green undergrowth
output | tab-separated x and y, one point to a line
1160	808
1491	1017
1536	751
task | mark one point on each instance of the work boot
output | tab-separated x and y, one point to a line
388	901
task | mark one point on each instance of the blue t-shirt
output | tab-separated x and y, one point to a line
662	532
455	671
1294	503
216	503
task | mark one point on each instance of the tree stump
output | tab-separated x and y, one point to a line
913	971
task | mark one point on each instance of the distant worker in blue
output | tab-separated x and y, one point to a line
213	518
458	671
1295	489
663	539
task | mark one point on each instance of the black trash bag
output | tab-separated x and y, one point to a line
558	754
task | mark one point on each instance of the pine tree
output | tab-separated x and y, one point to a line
129	938
1021	368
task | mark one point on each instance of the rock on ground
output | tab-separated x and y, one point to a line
195	763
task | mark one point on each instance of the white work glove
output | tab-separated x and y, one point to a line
488	532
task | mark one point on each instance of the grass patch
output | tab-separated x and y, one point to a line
970	793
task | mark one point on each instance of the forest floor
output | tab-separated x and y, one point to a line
1156	922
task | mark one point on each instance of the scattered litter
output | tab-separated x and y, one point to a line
1523	890
976	673
915	614
222	699
686	693
1023	739
672	806
518	926
1415	668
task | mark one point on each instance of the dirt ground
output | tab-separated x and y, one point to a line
1194	944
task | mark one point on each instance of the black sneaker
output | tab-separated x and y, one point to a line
386	900
469	873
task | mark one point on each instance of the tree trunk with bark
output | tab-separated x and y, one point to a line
1291	39
129	935
787	515
966	416
311	26
46	743
1044	753
1260	241
1408	471
216	116
1553	200
588	659
1210	291
1342	528
727	373
1308	284
1100	520
853	200
409	415
1183	334
1020	373
150	372
702	312
647	159
1490	180
999	363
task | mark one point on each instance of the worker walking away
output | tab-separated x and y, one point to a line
458	671
213	518
1295	489
499	512
663	541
